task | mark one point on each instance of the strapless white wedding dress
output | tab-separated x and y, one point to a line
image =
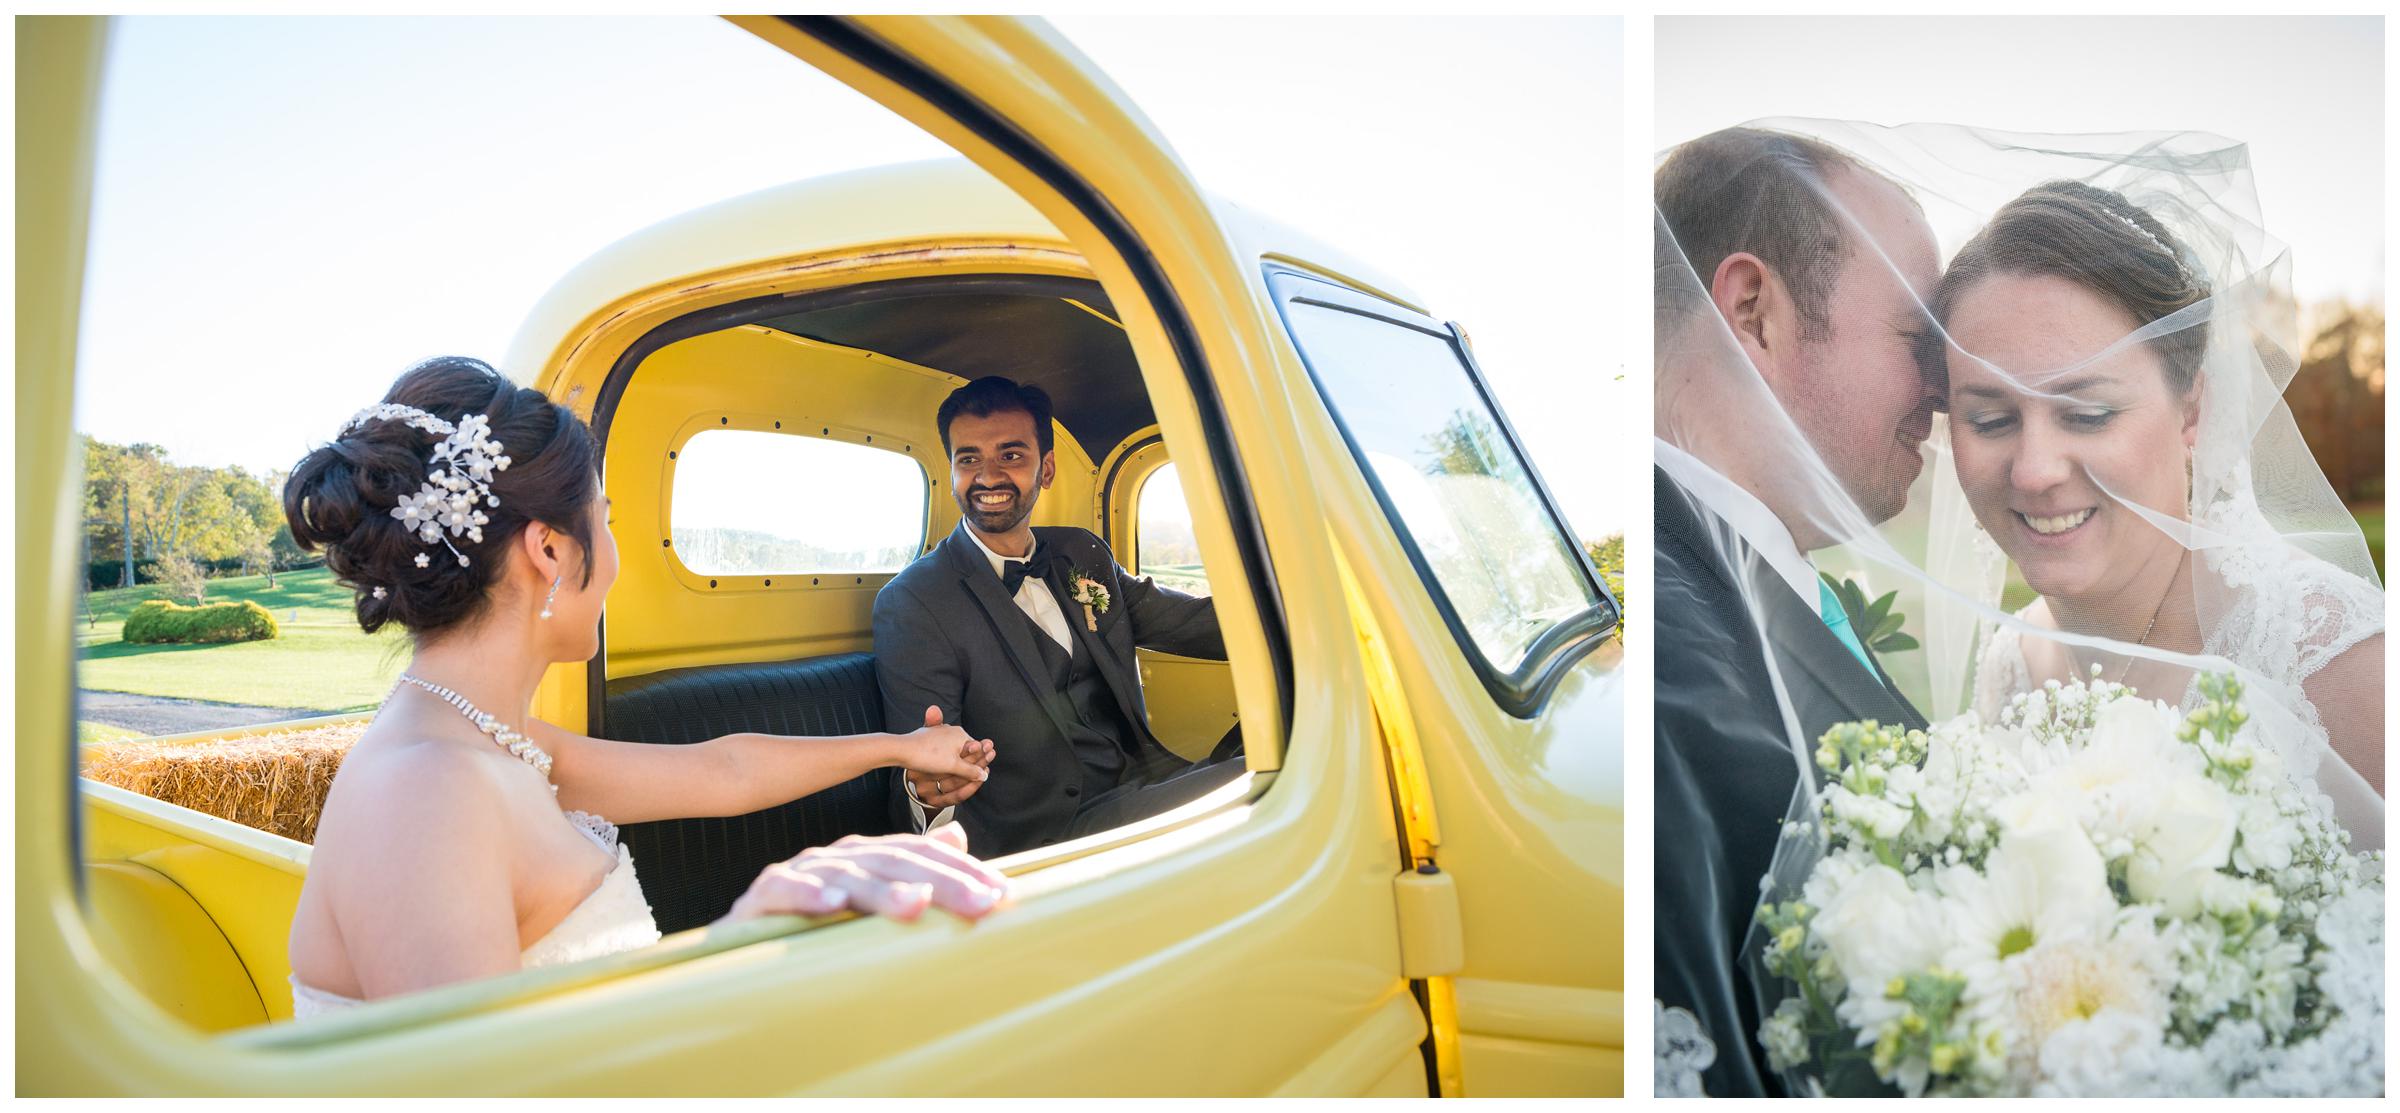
615	917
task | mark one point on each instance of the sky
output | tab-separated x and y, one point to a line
289	211
2306	93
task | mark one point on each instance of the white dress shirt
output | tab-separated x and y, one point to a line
1040	604
1034	597
1758	526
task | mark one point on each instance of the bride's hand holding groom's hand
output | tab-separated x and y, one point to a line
893	875
943	765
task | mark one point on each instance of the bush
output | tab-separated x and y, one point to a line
160	620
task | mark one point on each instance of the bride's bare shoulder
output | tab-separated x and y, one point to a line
2348	693
402	780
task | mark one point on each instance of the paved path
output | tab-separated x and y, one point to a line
156	715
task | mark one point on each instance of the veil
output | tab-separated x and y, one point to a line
1948	417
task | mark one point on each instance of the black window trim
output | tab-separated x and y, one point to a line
1524	691
1108	493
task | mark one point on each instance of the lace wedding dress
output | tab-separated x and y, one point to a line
2287	616
615	917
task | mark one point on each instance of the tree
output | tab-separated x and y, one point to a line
259	556
183	577
116	479
139	505
2337	399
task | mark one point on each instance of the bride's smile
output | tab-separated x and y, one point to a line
2057	425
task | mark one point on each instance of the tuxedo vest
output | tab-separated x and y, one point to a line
1097	729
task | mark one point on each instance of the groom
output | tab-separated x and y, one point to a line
1026	636
1812	265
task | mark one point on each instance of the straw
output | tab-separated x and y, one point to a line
273	782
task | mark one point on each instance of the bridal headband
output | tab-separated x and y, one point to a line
446	506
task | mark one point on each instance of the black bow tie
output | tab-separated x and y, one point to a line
1013	572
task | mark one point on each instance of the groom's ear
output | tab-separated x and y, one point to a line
1049	469
1752	300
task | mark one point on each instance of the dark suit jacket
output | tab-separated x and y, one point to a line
1725	771
947	635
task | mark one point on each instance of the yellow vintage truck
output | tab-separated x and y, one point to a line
1418	889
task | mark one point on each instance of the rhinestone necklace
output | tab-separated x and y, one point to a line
519	746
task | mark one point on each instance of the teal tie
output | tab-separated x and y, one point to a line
1829	608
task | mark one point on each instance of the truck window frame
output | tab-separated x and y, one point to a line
1525	690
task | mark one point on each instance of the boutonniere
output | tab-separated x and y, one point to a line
1093	597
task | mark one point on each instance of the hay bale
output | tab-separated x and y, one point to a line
273	782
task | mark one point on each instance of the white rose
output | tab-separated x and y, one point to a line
1877	928
2189	836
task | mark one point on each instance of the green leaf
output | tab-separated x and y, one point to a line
1886	628
1897	643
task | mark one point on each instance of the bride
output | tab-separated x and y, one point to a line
2084	356
464	838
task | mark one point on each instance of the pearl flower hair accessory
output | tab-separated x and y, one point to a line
447	505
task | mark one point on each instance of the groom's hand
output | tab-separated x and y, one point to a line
936	792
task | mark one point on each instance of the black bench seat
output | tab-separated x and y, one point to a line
692	870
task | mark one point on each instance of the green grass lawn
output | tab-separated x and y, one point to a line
89	732
321	662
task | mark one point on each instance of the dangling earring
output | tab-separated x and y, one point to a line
553	596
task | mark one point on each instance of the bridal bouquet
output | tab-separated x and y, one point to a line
2093	895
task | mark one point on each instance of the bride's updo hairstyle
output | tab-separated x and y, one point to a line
340	497
2100	241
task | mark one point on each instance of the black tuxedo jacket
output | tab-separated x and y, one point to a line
1726	775
947	634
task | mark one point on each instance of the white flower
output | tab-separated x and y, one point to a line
2188	838
1784	1036
2093	1054
2071	1004
1876	927
414	510
1684	1050
2130	913
2133	723
424	560
1871	814
2268	838
2040	887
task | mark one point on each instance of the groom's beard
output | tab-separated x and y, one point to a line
995	520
